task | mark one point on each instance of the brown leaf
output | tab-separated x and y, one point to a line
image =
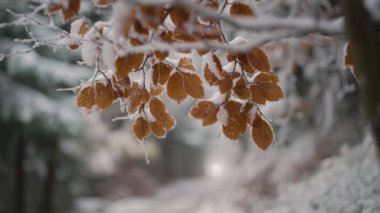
103	3
156	91
225	85
210	4
179	15
241	89
175	88
159	112
141	128
262	133
86	97
104	95
205	110
241	9
231	130
193	85
161	55
152	15
125	64
259	60
161	73
265	88
71	9
210	77
158	130
244	61
186	63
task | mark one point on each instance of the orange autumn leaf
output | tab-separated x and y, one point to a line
206	111
125	64
71	10
179	15
141	128
232	129
241	9
159	112
175	88
158	130
265	88
186	63
104	95
241	89
161	55
161	73
259	60
193	85
262	133
86	97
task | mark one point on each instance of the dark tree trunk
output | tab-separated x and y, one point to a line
364	34
19	176
51	178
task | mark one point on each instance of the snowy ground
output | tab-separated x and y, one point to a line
281	181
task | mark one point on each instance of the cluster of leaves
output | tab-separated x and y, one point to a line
138	79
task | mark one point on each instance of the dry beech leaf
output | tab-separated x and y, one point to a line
102	3
265	88
210	77
232	129
136	97
241	89
259	60
156	90
225	85
125	64
71	10
241	9
186	63
152	15
175	88
193	85
262	133
141	128
139	28
158	130
86	97
161	73
121	86
159	112
179	15
244	61
205	110
104	95
161	55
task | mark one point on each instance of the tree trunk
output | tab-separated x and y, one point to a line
19	199
364	34
51	178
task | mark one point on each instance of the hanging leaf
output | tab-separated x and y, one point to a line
262	133
125	64
241	9
259	60
71	10
231	129
193	85
186	63
265	88
241	89
179	15
159	112
86	97
104	95
175	88
141	128
158	130
161	55
206	111
161	73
